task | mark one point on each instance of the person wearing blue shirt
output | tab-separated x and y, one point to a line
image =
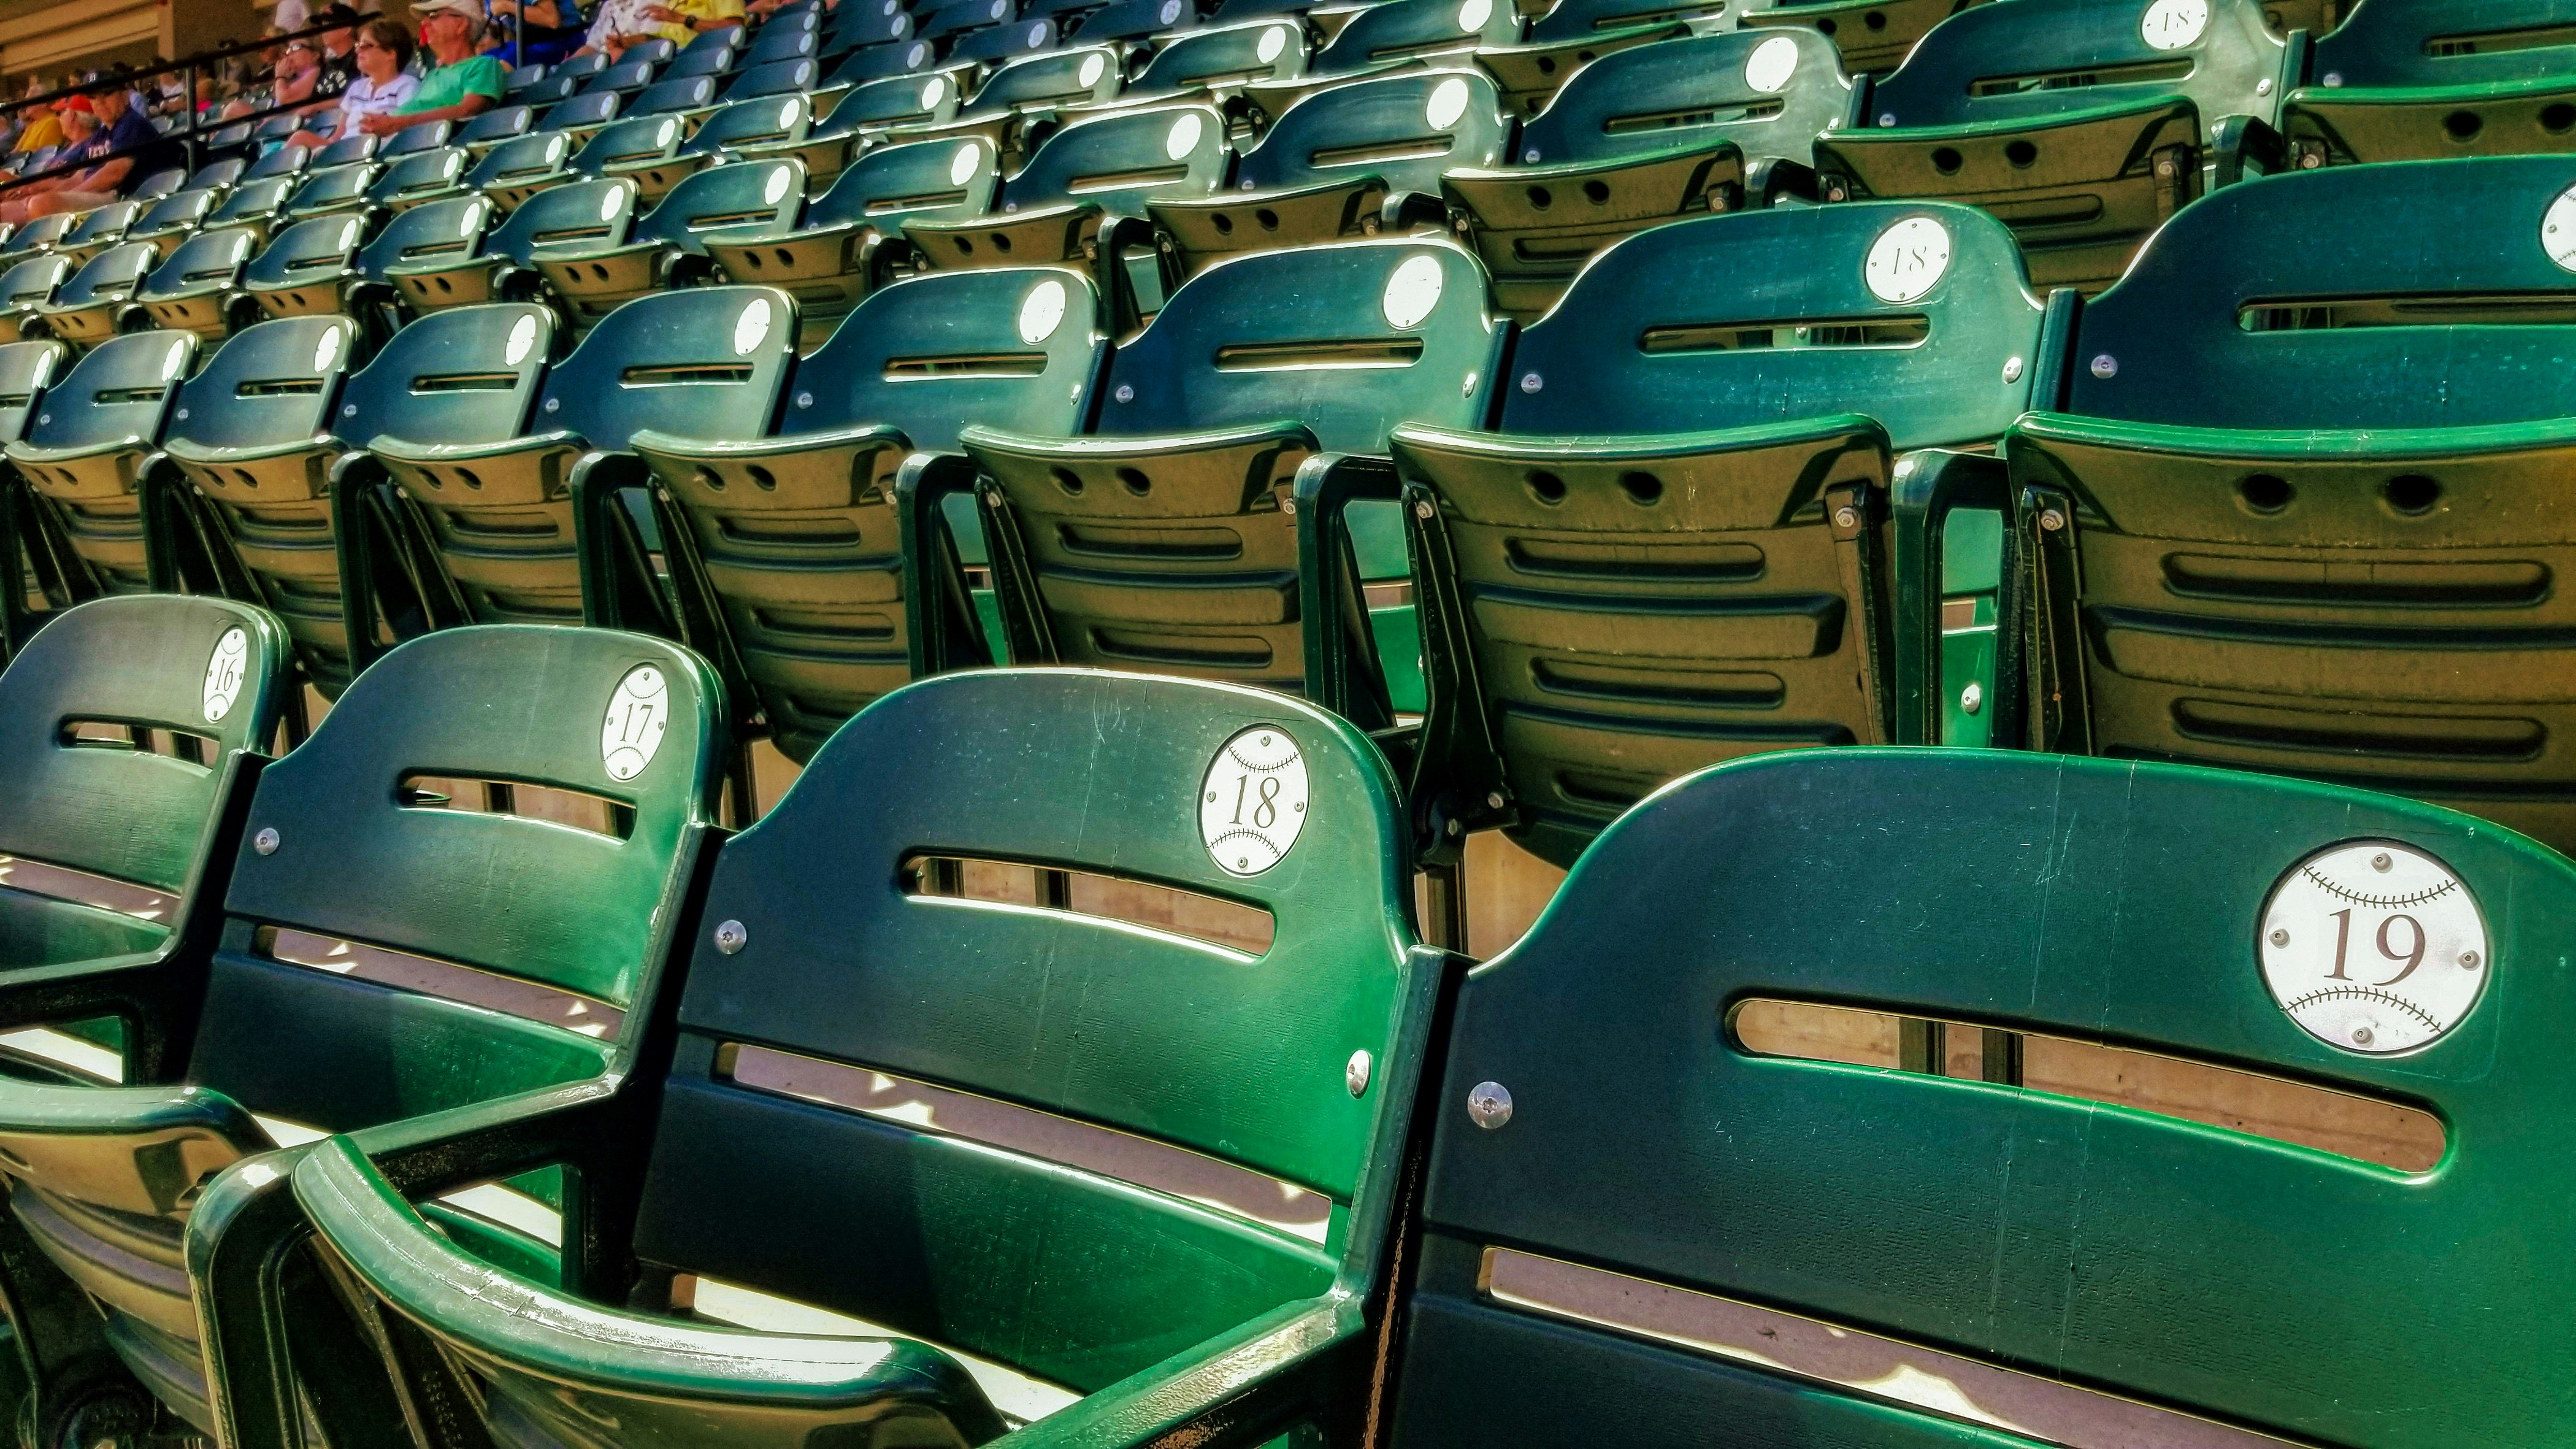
105	174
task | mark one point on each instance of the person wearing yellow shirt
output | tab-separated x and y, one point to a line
699	16
42	130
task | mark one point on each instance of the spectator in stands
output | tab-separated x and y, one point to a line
44	129
124	149
699	16
298	70
384	85
621	23
339	51
545	31
462	84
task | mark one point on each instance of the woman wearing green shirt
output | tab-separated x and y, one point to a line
462	84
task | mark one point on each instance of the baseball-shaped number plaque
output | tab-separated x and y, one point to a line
2374	947
630	734
1253	802
226	669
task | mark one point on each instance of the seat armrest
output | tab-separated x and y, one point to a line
1239	1390
1403	211
1342	670
2239	141
939	612
1929	486
1770	179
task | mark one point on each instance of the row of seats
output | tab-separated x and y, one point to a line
566	1106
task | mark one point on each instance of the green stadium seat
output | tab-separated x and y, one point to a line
1681	544
481	133
624	75
175	218
654	51
1576	33
2099	131
667	247
199	288
1295	1069
869	110
883	29
25	287
301	274
99	228
38	234
347	151
159	184
430	235
499	516
419	178
1340	161
795	540
579	68
777	43
517	169
1082	199
215	175
285	161
37	574
254	205
91	307
1392	36
274	455
643	148
837	252
691	96
340	190
1025	98
575	214
82	458
770	128
779	78
1130	24
2404	80
1874	35
105	1176
694	62
946	22
581	115
870	63
1727	110
996	43
1215	64
1224	515
420	136
2241	566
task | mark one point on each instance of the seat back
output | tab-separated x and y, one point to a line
520	160
960	16
1117	161
880	62
701	362
993	42
1073	76
160	184
620	718
39	232
1405	129
420	136
497	124
320	251
437	231
272	383
253	200
2042	1241
580	67
783	43
594	109
215	175
629	75
103	223
347	151
803	553
32	283
339	188
847	969
112	275
924	180
636	139
1997	63
1771	93
778	78
1395	30
26	370
2437	43
1571	20
872	28
213	257
457	375
580	213
766	195
752	123
655	50
179	211
694	61
200	666
284	161
422	173
894	100
689	93
2350	581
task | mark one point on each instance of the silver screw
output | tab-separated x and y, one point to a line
2106	366
266	841
1494	799
348	410
2381	862
1490	1104
1972	698
1467	386
2280	937
2165	169
2469	960
1888	119
804	399
2263	87
1124	393
1846	517
1422	510
1355	1076
2361	1036
183	415
993	497
2012	369
554	404
2310	160
731	937
1456	829
1532	382
2052	520
2334	79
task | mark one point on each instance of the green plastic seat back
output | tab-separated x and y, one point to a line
701	362
457	375
595	109
891	185
1618	355
1305	337
271	383
778	78
895	99
253	200
690	93
1138	20
752	123
2176	326
2225	1275
765	194
437	169
1404	129
33	282
42	231
347	151
104	223
656	50
1118	161
112	274
122	389
429	233
521	159
336	187
282	162
882	62
626	75
637	138
160	184
148	661
885	363
960	16
694	61
720	42
1064	1013
1068	76
215	175
524	898
26	370
1770	92
1571	20
877	29
778	43
994	42
2445	43
587	214
420	136
180	210
496	124
317	250
2004	63
213	257
1396	29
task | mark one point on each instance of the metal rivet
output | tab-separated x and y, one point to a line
2012	369
2361	1036
1530	155
1288	506
554	404
1457	829
2263	87
2106	365
2469	959
42	418
1532	382
1972	698
731	937
183	415
348	410
1422	510
1888	119
2052	520
2165	169
266	841
2334	78
993	496
1846	517
804	399
2381	862
1490	1103
2280	937
1355	1076
1125	393
2310	161
1494	798
1467	386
